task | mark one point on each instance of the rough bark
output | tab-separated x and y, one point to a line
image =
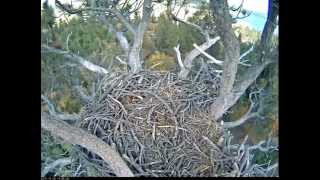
269	26
78	136
134	57
231	45
227	100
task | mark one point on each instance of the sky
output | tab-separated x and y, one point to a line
258	17
256	20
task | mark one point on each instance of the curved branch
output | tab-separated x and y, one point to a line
78	136
177	50
87	64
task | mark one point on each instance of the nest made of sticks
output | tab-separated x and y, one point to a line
158	123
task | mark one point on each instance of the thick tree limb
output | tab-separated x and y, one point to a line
231	45
229	99
78	136
134	54
87	64
243	83
269	26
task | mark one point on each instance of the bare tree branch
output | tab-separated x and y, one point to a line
177	50
254	71
87	64
269	27
245	117
78	136
243	83
123	42
193	54
134	54
62	116
58	162
213	60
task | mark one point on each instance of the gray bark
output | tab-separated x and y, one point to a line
134	57
192	55
269	26
231	90
78	136
231	45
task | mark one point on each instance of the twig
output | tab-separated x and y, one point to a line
179	56
59	162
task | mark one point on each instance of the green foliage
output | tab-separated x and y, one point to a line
53	149
69	104
168	35
265	157
86	38
165	61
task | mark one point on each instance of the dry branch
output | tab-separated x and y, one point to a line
193	54
58	162
80	137
177	50
87	64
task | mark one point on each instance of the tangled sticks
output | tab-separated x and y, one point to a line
159	124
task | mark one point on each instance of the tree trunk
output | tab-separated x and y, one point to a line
269	27
231	45
228	98
134	57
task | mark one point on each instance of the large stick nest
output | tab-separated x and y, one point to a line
158	123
